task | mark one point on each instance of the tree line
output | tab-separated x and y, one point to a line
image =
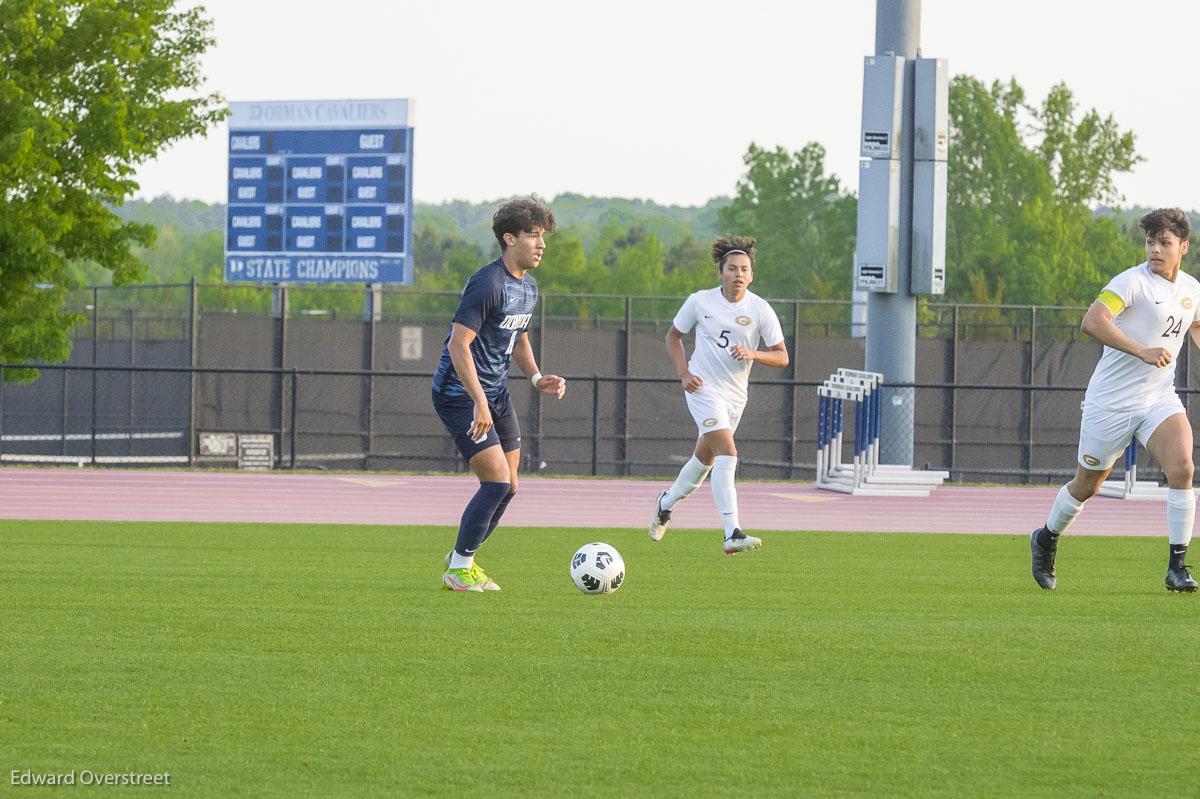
1029	219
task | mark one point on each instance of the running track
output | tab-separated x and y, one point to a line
104	495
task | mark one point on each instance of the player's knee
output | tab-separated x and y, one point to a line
494	475
1082	490
1181	472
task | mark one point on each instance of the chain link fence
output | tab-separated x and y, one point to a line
339	378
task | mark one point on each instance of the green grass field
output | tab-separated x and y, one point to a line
285	660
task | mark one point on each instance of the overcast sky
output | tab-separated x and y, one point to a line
659	99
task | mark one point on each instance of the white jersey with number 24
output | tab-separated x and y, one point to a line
1156	313
721	324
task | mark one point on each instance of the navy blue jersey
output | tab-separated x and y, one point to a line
498	308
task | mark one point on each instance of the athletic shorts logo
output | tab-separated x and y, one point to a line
742	320
709	422
1091	460
1187	302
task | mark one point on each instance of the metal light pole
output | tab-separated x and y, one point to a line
892	316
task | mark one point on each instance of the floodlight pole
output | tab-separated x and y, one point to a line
891	347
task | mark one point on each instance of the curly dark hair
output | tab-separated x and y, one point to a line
521	216
1171	219
723	245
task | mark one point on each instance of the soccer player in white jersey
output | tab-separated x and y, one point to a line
1141	317
729	321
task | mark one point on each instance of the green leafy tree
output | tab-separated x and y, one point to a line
203	257
437	252
585	216
689	267
88	91
1022	181
804	222
620	261
687	254
564	268
443	261
641	265
1082	155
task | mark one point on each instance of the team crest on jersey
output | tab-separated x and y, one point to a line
1091	460
709	422
742	320
1187	303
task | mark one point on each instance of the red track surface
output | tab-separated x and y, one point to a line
102	495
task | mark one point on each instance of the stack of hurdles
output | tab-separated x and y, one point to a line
864	475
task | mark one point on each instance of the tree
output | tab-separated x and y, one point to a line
88	91
1022	180
804	222
687	254
440	258
564	268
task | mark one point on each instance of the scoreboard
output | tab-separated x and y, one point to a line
320	192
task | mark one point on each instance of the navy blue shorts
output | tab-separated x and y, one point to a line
458	415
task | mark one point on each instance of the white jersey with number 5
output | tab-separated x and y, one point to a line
1154	312
721	324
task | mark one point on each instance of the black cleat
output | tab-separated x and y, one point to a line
658	525
1043	561
740	542
1178	579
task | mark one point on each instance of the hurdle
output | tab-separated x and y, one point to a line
1131	487
831	472
864	475
883	472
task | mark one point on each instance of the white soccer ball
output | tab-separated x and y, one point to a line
597	569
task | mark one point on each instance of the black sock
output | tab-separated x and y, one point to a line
1178	553
498	513
478	515
1047	539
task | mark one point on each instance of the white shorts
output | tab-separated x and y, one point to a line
713	412
1104	434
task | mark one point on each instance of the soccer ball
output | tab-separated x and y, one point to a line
597	569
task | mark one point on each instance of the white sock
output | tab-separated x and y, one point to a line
691	477
724	492
1063	511
458	561
1181	515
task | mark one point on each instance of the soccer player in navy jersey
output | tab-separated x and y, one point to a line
470	386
